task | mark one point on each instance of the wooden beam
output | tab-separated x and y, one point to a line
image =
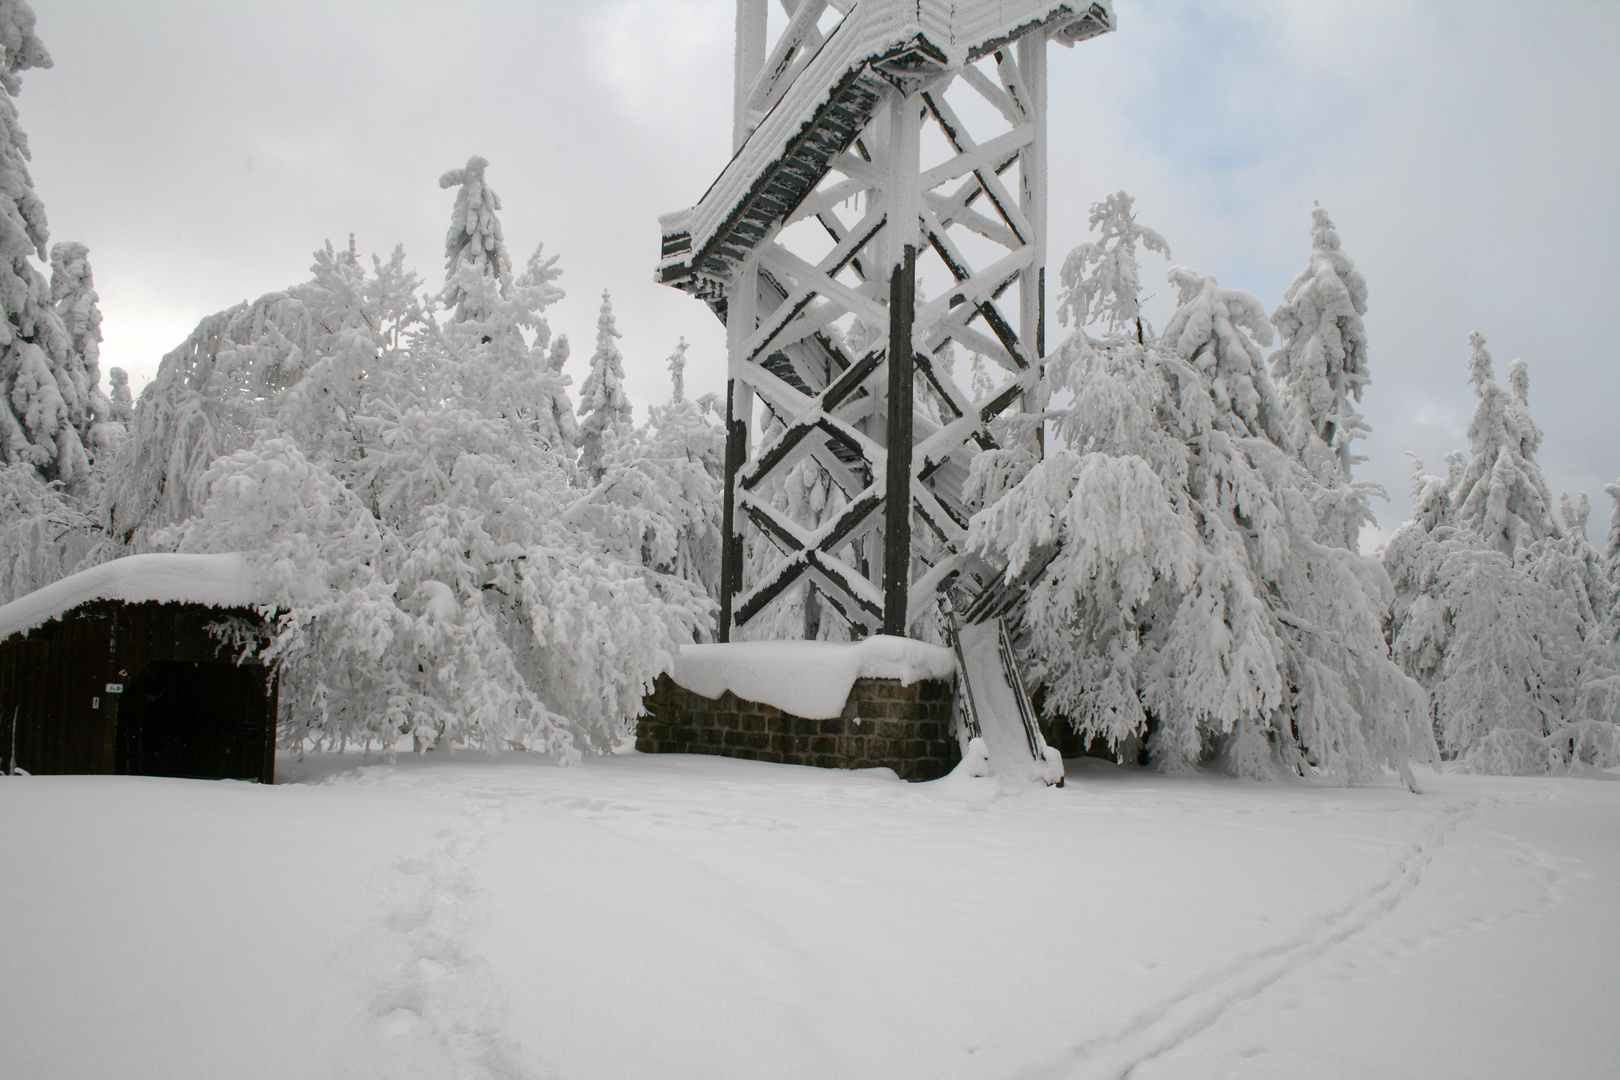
897	492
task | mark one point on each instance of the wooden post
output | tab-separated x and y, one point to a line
730	561
742	303
904	199
749	58
897	492
1032	200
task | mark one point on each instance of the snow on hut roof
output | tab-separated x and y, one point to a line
214	580
830	101
811	679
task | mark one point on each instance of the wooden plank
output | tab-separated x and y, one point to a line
897	492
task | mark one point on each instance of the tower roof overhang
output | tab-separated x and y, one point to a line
878	44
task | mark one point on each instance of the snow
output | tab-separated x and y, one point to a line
811	679
216	580
675	916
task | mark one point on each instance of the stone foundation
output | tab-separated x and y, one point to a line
904	728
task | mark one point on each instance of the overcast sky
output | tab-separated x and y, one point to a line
1469	153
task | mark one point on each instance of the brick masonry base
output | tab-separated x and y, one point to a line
904	728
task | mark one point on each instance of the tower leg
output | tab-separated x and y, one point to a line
731	551
897	493
905	201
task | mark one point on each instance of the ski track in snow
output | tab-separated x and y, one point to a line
1164	1026
436	1008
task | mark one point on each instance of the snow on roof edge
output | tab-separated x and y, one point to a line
810	679
214	580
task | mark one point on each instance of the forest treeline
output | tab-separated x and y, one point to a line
456	550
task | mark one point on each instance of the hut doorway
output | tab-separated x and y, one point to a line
189	719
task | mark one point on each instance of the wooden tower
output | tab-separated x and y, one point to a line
886	203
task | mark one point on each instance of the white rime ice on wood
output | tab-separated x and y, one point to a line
808	496
1504	616
811	679
1196	599
224	580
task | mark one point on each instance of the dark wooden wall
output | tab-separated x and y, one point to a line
185	709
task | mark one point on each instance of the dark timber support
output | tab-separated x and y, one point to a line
897	493
731	552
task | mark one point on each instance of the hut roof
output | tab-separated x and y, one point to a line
215	580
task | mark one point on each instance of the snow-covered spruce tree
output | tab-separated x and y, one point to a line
1497	610
684	442
1517	687
1321	367
604	408
1101	279
39	397
474	247
1193	598
123	402
1208	331
1502	494
1611	555
73	296
562	407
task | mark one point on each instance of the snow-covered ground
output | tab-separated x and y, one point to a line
647	916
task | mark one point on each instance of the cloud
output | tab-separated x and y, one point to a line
1469	153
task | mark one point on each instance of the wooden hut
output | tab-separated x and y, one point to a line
122	668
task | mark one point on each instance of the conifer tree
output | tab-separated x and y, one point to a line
685	445
562	408
1321	361
1191	599
677	372
1217	331
123	402
73	296
474	245
1498	611
1502	495
1100	278
1611	555
603	407
36	415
